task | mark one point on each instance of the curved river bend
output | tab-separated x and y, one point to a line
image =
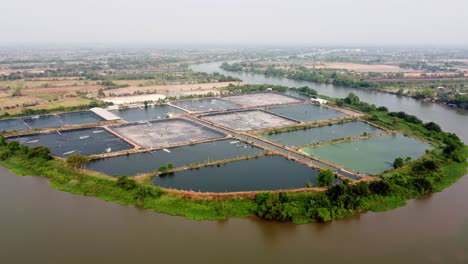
42	225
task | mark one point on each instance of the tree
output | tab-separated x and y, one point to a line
146	104
433	127
352	99
325	178
398	163
77	160
2	141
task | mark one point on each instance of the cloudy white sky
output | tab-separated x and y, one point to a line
401	22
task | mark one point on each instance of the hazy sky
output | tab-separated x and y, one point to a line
235	22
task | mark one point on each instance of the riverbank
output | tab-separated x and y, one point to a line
420	89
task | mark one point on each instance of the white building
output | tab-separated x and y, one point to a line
319	101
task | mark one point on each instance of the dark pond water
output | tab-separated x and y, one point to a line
15	124
150	161
150	113
86	141
49	121
265	173
206	104
321	134
307	112
79	118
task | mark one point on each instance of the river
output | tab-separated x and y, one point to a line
42	225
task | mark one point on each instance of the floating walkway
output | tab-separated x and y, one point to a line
108	116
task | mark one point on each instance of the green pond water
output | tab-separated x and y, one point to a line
321	134
371	155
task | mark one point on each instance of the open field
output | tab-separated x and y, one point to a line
358	67
175	88
44	83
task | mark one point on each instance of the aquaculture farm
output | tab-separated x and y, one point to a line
241	145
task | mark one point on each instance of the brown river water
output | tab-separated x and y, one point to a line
39	224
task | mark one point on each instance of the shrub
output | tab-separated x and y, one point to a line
13	146
125	183
170	166
380	188
40	152
398	163
323	215
422	185
77	160
162	169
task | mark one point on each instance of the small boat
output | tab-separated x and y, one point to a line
32	141
234	142
108	150
97	131
84	137
166	150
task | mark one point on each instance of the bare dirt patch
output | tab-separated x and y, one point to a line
176	88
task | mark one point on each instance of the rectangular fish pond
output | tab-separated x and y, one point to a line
206	104
145	162
316	135
262	99
13	124
86	141
166	132
150	113
371	155
245	120
306	112
49	121
264	173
